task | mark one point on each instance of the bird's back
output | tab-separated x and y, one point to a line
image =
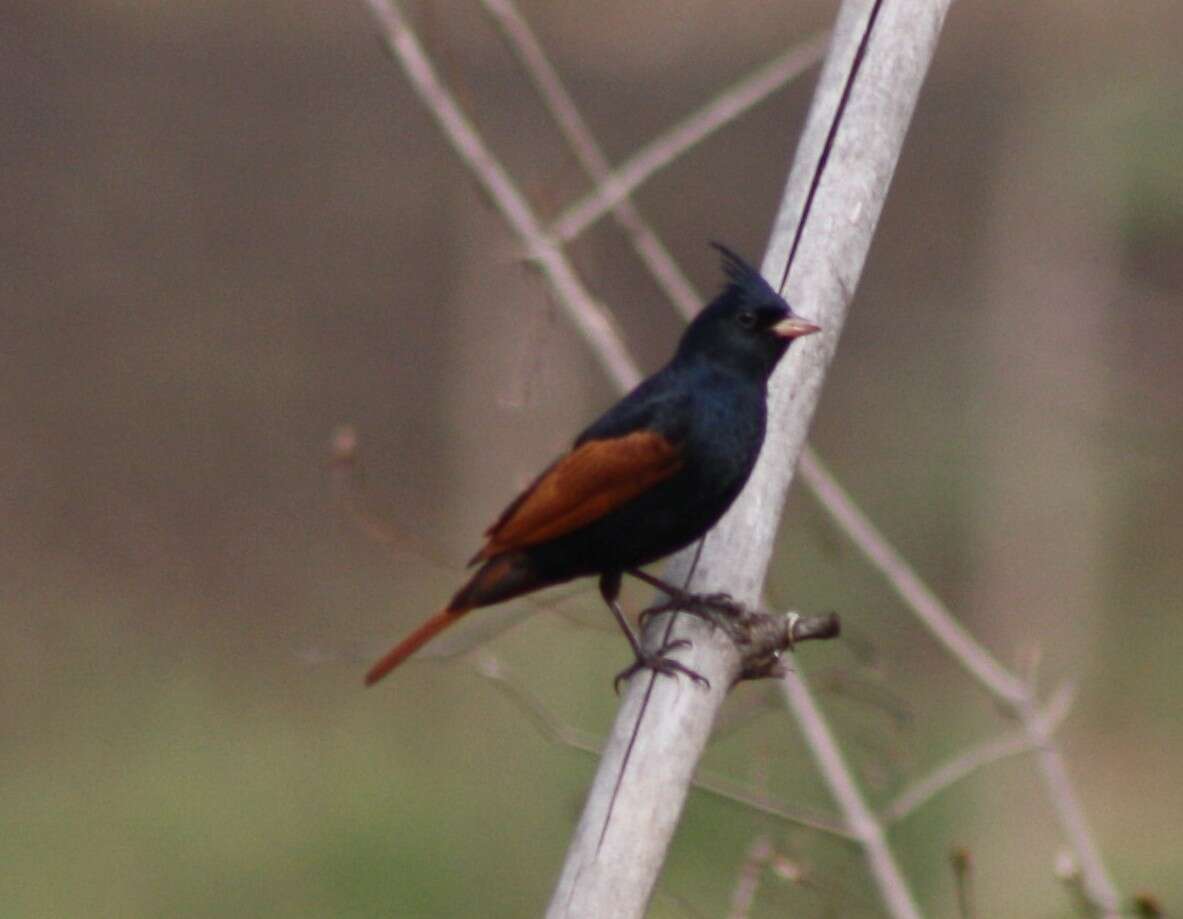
716	421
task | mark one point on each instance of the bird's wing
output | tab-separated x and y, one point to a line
595	478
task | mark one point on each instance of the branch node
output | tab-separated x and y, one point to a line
760	637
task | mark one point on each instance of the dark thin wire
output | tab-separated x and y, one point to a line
828	146
818	170
669	628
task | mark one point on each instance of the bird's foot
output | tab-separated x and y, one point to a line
658	662
711	607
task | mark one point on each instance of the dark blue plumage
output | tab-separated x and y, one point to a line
710	401
650	476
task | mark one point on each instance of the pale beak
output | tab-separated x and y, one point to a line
795	327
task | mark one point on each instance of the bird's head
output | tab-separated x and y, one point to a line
748	326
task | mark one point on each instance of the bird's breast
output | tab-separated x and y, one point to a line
725	437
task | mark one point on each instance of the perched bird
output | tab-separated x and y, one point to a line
648	478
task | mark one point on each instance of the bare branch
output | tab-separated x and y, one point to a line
550	727
867	830
970	761
760	637
743	897
1098	885
658	154
593	322
903	578
554	730
670	278
997	679
838	683
766	804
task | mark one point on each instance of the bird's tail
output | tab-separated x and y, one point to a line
499	579
413	642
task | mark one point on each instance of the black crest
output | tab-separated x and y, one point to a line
745	282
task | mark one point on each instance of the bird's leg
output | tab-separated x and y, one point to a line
706	606
645	660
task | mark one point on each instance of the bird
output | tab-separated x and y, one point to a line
649	477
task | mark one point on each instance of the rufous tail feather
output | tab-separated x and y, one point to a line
413	642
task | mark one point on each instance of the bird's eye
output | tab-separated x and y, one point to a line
746	319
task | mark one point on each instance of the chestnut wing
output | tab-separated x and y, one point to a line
591	481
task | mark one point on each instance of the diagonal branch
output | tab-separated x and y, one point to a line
917	595
977	757
743	898
555	731
997	679
667	147
673	282
844	164
593	322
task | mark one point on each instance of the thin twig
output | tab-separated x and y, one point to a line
757	800
592	321
670	278
550	727
1098	885
743	897
977	757
903	578
839	683
656	155
979	663
556	731
867	829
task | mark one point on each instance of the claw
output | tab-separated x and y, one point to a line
722	603
646	614
659	663
705	606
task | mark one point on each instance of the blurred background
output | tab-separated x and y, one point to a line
230	228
